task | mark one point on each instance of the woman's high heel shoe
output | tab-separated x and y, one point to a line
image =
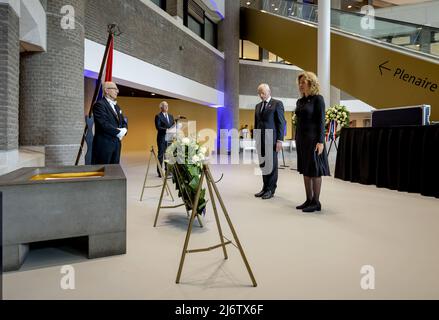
304	205
314	206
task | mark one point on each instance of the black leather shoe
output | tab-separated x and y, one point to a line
268	195
260	194
304	205
313	207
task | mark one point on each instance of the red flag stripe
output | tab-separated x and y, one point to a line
109	66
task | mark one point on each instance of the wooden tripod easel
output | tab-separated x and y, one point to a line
213	191
164	176
333	142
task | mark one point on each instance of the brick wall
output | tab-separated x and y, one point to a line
9	75
151	38
52	89
282	81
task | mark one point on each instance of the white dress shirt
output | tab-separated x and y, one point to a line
113	105
122	131
166	116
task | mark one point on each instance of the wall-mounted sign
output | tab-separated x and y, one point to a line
406	76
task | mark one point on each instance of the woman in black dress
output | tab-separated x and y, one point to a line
312	160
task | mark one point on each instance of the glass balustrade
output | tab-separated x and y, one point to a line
407	36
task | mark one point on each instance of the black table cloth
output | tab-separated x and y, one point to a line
402	158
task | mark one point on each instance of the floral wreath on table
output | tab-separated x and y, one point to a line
185	159
337	118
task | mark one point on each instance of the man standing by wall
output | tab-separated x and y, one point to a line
110	127
163	121
269	134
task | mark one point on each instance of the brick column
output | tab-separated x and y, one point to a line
228	117
9	75
52	88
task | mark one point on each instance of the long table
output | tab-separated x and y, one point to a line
402	158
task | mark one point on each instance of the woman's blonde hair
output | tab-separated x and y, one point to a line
313	82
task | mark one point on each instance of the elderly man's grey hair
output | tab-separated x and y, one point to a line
162	105
265	87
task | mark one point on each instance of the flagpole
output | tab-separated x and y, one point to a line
113	30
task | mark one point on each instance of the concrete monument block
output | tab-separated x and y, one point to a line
41	204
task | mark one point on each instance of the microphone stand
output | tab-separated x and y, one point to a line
283	166
176	124
176	128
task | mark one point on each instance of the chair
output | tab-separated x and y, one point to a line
247	145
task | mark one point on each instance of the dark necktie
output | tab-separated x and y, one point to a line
263	106
118	116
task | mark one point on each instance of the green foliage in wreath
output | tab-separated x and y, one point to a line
187	179
185	159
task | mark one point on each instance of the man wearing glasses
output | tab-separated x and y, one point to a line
110	127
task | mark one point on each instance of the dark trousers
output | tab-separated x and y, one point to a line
270	179
161	145
107	154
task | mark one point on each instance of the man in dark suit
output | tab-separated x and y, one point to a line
163	121
110	127
269	134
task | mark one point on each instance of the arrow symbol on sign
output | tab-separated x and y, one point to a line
381	67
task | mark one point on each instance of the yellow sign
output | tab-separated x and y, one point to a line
416	80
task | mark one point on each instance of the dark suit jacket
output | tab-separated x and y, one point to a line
106	125
272	117
162	124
